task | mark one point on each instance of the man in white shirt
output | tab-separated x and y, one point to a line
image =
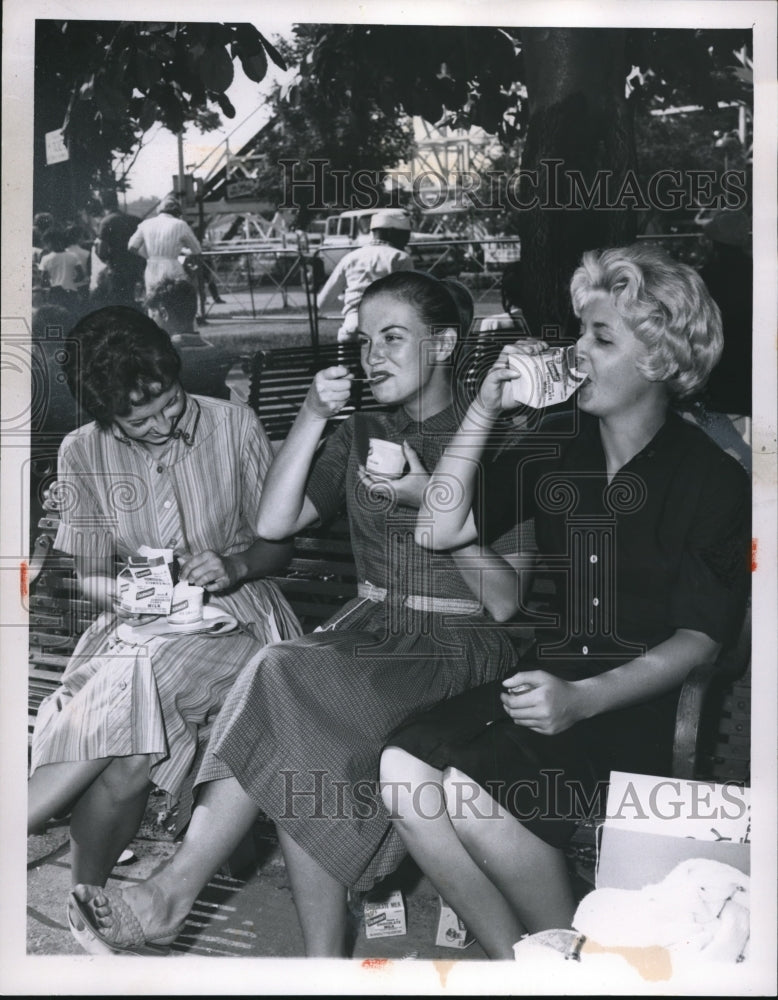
390	231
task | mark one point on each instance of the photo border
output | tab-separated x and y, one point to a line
22	973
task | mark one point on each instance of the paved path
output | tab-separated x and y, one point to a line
249	914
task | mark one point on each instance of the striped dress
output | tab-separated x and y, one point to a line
303	728
160	698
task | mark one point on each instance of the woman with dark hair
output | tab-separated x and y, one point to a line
162	469
301	733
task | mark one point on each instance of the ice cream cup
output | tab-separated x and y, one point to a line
385	458
187	604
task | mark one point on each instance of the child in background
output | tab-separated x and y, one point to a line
74	240
60	270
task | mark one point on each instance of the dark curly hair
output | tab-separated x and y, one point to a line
120	351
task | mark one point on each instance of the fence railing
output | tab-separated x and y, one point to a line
263	281
267	281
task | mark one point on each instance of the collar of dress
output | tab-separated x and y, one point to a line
443	420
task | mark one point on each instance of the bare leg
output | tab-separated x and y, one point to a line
222	817
320	901
530	873
106	818
53	787
414	795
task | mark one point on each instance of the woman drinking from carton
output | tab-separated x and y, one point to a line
646	522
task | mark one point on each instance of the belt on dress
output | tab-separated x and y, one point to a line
422	602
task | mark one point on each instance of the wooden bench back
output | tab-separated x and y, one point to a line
280	379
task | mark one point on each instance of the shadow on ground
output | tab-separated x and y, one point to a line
245	912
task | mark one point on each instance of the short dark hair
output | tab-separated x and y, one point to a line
120	351
43	221
431	297
464	299
178	296
74	233
54	240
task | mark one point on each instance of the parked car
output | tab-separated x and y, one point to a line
350	229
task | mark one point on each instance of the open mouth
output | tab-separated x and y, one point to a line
378	377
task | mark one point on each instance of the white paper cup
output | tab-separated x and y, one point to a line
187	604
384	458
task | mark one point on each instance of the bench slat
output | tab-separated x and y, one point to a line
324	588
48	659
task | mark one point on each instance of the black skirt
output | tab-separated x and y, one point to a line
549	783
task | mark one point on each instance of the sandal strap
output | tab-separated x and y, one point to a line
125	927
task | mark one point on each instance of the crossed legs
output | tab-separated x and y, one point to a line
107	795
499	877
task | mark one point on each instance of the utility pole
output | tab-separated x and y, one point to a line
181	175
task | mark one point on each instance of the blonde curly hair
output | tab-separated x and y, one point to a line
667	306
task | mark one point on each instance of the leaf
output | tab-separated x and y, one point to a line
148	114
225	104
273	52
255	65
148	70
215	69
171	111
111	101
161	46
744	75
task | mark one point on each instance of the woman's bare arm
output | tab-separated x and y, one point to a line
550	705
284	508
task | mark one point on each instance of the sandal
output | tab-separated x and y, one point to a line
123	936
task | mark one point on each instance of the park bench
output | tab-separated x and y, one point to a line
712	735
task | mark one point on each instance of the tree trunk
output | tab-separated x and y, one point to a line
579	122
